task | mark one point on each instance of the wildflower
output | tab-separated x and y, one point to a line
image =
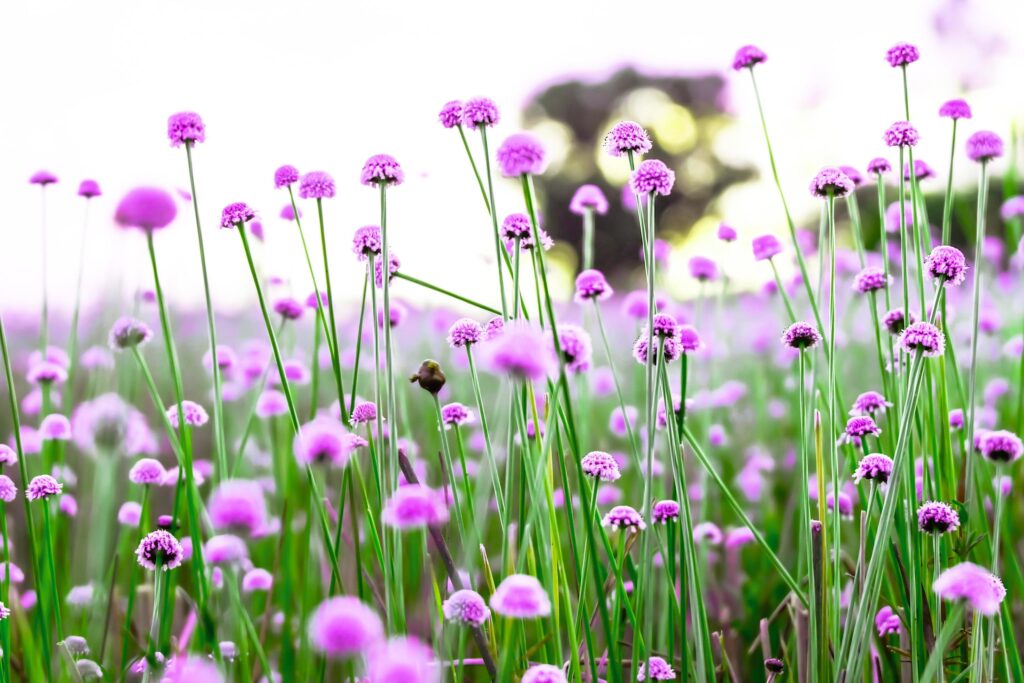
238	504
947	266
288	308
161	549
89	189
382	169
956	418
874	467
322	441
271	403
955	109
661	670
601	466
55	427
129	514
801	335
450	115
521	154
665	511
624	517
627	137
42	487
128	333
522	351
544	673
895	322
466	607
480	111
984	146
831	182
845	504
879	166
853	174
146	208
366	241
652	177
869	403
726	233
378	269
747	56
870	279
887	621
402	659
234	215
923	337
343	627
285	176
967	581
456	414
43	178
316	185
414	506
576	348
520	596
364	412
147	471
766	247
709	532
195	414
901	134
859	427
185	127
670	348
703	269
937	518
922	171
592	285
8	491
1012	208
902	54
1001	446
225	549
588	198
688	338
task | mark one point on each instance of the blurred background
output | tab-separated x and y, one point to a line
324	85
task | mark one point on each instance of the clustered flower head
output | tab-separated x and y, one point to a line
870	279
456	414
624	517
195	414
588	198
831	182
858	427
902	54
879	166
520	596
146	208
342	627
937	518
185	128
147	471
42	487
601	466
364	412
923	337
382	169
874	467
480	111
801	335
521	154
286	175
574	343
322	441
670	345
726	233
984	146
236	214
1001	446
450	115
660	670
42	178
466	607
627	137
982	589
415	506
665	511
161	549
592	285
703	269
544	673
946	265
901	134
766	247
366	241
955	109
652	177
747	56
895	322
316	185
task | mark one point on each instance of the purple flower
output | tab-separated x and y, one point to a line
129	514
366	241
886	622
937	518
521	154
544	673
874	467
289	308
414	506
456	414
8	491
869	403
464	332
853	174
967	581
89	189
147	471
515	226
1012	208
195	414
236	214
394	263
901	134
324	440
1001	446
494	328
879	166
238	505
923	337
747	56
984	146
520	596
601	466
343	627
947	266
670	346
43	178
55	427
451	114
316	185
801	335
592	285
766	247
42	487
480	111
955	109
225	549
576	348
402	659
288	212
726	233
895	322
871	279
922	171
665	511
660	670
128	333
588	198
185	127
902	54
831	182
161	549
257	579
146	208
382	169
466	607
627	137
651	177
285	176
858	427
271	403
624	517
703	269
956	418
522	351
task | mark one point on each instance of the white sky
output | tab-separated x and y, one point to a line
322	85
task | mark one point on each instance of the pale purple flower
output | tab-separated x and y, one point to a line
902	54
466	607
161	549
43	486
857	428
651	177
522	351
55	427
922	171
665	511
285	175
450	115
661	670
288	308
324	440
147	471
343	627
521	154
8	491
185	128
895	322
601	466
937	518
831	182
967	581
956	418
402	659
43	178
870	279
955	109
381	169
236	214
364	412
901	134
703	269
544	673
923	337
366	241
869	403
984	146
414	506
801	335
225	549
394	263
1012	208
946	265
128	333
624	517
456	414
1001	446
238	505
726	233
875	467
520	596
576	347
146	208
592	285
316	185
588	198
195	414
879	166
627	137
480	111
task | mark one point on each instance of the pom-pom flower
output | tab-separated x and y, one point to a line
381	169
195	414
624	517
238	505
234	215
1001	446
592	285
955	109
343	627
748	56
879	166
895	322
402	659
984	146
766	247
859	427
831	182
627	137
147	471
967	581
576	348
703	269
366	241
937	518
480	111
324	440
588	198
902	54
42	487
520	596
89	189
521	154
923	337
286	175
466	607
651	177
450	115
660	670
544	673
601	466
146	208
316	185
522	351
946	265
455	414
801	335
42	178
185	128
874	467
257	579
901	134
726	233
161	549
869	403
464	332
870	279
8	491
414	506
665	511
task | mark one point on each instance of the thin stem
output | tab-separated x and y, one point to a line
979	241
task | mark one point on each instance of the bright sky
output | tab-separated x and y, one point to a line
323	85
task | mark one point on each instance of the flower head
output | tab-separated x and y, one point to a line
703	269
902	54
726	233
747	56
466	607
43	486
89	189
324	440
879	166
946	265
895	322
869	403
870	279
146	208
801	335
923	337
414	506
382	169
665	511
984	146
147	471
55	427
521	154
831	182
671	348
402	659
480	111
626	137
225	549
343	627
8	491
366	241
886	622
456	414
652	176
922	171
394	263
544	673
576	348
286	175
874	467
234	215
955	109
257	579
451	114
1001	446
967	581
937	518
601	466
660	670
588	198
592	285
316	185
195	414
161	549
238	505
624	517
185	127
42	178
766	247
858	427
520	596
901	134
522	351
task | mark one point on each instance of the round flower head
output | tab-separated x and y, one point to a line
257	579
660	670
875	467
271	403
343	627
195	414
665	511
576	348
984	146
366	241
652	176
901	134
592	285
381	169
185	127
494	328
869	403
902	54
801	335
451	114
464	332
89	189
414	506
624	517
703	269
402	659
324	440
515	226
726	233
895	322
831	182
669	345
55	427
520	596
600	465
544	673
394	263
316	185
8	491
522	351
747	56
225	549
466	607
146	208
161	549
236	214
858	427
967	581
285	176
956	418
588	198
147	471
1001	446
955	109
289	308
43	178
480	111
46	372
1012	208
42	487
364	412
870	279
923	337
456	414
922	171
288	212
886	622
765	247
879	166
238	505
626	137
947	266
937	518
521	154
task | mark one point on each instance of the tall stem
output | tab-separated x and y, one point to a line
493	209
333	346
979	241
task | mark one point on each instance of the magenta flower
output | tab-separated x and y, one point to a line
747	57
414	506
8	491
238	505
515	226
627	137
367	241
464	332
831	182
955	109
161	549
381	169
257	579
286	175
671	347
873	467
402	659
288	212
42	487
859	427
902	54
967	581
480	111
322	441
522	351
726	233
146	208
456	414
923	337
766	247
624	517
588	198
1012	208
364	412
576	348
984	146
895	322
316	185
225	549
956	419
544	673
937	518
879	166
901	134
289	308
466	607
89	189
520	596
55	427
886	622
451	114
521	154
42	178
665	511
703	269
271	403
651	177
343	627
147	471
922	171
394	263
185	127
592	285
801	335
947	266
870	279
195	414
1001	446
661	670
234	215
601	466
869	403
